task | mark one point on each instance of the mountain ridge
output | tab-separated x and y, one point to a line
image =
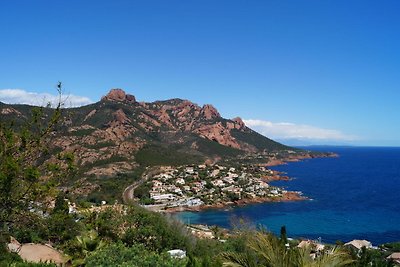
118	134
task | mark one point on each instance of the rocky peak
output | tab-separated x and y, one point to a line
210	112
239	122
9	110
119	95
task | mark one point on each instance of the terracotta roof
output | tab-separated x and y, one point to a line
359	243
395	256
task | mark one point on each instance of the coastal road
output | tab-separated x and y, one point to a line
127	195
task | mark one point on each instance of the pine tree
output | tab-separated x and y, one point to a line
29	174
283	234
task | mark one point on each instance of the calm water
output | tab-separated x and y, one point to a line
354	196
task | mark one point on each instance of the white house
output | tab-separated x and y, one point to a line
165	176
189	170
228	179
180	181
162	197
194	202
218	182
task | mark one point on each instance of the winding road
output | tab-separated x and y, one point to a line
127	195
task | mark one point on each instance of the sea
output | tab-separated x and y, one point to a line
354	196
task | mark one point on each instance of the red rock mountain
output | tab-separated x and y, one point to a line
118	134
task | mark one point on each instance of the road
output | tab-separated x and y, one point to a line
127	195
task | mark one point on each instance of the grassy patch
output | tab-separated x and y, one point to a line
153	155
259	141
214	148
111	188
103	162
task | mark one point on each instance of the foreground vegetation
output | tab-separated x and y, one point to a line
133	236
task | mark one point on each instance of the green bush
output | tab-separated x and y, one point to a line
111	188
137	255
155	231
153	155
30	228
137	225
143	190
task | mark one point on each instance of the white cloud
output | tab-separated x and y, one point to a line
19	96
285	130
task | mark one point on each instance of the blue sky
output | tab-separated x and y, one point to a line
314	72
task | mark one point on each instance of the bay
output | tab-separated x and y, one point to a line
354	196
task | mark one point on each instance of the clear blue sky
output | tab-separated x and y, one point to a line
331	68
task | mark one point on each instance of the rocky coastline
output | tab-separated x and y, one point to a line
300	157
287	196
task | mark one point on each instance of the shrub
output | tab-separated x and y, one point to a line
137	255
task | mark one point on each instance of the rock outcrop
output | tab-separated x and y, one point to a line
210	112
218	133
119	95
7	111
239	123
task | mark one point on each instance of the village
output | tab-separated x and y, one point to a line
203	185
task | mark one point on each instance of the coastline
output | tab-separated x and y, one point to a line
297	158
331	215
287	196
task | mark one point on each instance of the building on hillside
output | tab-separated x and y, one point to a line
214	173
166	176
189	170
180	181
229	180
194	202
157	183
358	244
218	183
313	245
395	257
159	198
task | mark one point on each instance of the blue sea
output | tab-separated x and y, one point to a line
354	196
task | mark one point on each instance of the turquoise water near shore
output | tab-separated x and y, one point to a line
354	196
